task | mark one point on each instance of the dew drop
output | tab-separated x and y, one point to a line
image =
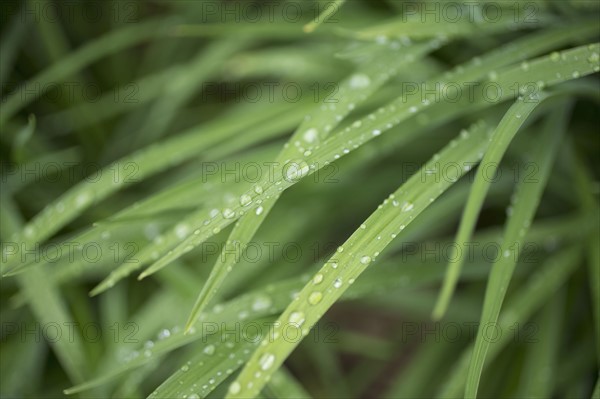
235	388
318	278
261	303
228	213
163	334
376	132
245	200
310	136
209	350
266	361
408	206
315	297
365	260
359	81
296	170
259	210
337	283
297	318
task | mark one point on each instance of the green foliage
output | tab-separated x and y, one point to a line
243	166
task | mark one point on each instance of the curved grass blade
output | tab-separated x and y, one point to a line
221	355
580	59
131	170
316	127
329	10
354	256
49	308
542	357
525	203
82	57
503	135
540	287
426	25
192	225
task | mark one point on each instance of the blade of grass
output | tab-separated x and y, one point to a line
525	203
315	128
76	61
353	258
330	9
130	170
540	287
503	135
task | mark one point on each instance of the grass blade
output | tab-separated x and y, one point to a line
353	258
526	200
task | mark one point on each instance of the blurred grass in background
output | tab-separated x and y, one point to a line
158	136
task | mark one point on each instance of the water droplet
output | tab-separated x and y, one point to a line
297	318
235	388
555	56
266	361
408	206
525	66
359	81
365	260
315	297
163	334
337	283
182	230
376	132
209	350
311	135
318	278
412	109
334	265
185	368
261	303
228	213
493	75
296	170
259	210
245	200
340	249
194	396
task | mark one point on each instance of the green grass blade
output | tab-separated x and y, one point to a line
131	170
353	257
533	295
315	128
329	10
503	135
78	60
50	309
525	203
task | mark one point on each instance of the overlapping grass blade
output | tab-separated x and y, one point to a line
50	309
354	256
520	308
522	211
82	57
316	127
133	169
330	9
